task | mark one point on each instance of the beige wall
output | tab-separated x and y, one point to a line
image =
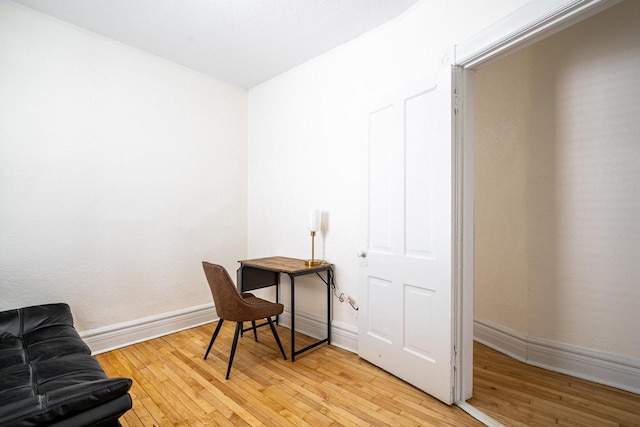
557	181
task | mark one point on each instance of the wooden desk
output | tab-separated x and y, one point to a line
264	272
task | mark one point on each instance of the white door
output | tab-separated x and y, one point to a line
405	290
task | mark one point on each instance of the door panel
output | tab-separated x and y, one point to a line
418	309
379	294
405	321
381	129
419	176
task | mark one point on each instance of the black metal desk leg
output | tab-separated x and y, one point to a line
329	306
239	282
278	298
293	320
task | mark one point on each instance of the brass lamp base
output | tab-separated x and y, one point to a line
313	261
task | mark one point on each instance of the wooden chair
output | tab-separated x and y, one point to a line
236	307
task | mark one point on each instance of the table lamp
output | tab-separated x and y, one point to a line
314	225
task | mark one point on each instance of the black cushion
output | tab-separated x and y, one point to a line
47	373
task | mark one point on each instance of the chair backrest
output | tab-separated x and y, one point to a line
227	299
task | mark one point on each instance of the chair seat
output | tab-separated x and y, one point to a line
260	309
252	299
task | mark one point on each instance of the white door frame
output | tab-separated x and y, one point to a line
530	23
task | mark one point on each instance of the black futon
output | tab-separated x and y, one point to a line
48	376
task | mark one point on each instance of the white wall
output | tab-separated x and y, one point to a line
119	173
304	135
557	186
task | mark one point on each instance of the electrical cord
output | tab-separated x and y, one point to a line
342	297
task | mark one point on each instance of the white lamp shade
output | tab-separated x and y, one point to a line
314	220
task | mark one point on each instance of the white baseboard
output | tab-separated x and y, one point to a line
342	335
602	368
500	338
120	335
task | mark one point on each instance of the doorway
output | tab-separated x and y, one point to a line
554	154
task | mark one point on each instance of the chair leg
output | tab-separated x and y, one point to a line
255	332
233	347
213	338
275	335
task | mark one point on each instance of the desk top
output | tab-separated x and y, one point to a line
284	265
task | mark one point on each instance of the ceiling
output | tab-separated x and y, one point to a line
243	42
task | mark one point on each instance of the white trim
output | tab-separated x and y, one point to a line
528	24
342	335
500	338
479	415
463	263
112	337
602	368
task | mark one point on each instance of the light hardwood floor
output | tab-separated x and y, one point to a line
518	394
173	385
